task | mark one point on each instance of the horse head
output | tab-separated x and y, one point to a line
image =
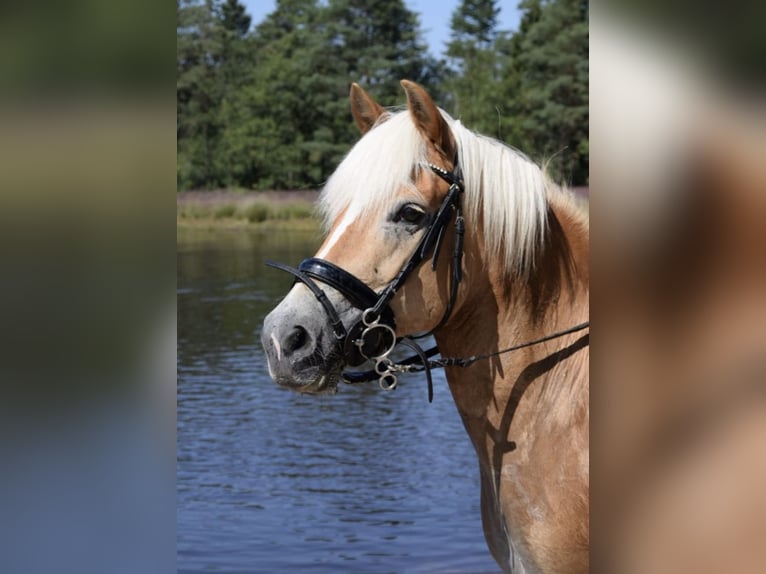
388	208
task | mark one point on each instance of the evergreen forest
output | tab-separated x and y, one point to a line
264	105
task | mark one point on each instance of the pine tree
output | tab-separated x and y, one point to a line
306	57
550	56
236	74
198	93
472	55
474	24
288	99
379	44
268	107
234	18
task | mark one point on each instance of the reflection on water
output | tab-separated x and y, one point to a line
272	481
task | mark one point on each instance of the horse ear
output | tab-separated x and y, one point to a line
365	110
428	119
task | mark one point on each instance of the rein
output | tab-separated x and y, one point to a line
373	337
409	364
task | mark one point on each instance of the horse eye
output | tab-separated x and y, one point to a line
410	214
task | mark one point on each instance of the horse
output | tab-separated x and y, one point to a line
507	305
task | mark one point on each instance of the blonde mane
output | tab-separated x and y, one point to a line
505	192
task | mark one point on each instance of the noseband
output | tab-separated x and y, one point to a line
373	337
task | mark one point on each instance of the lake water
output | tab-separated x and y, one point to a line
271	481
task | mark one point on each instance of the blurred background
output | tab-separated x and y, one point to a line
678	205
87	295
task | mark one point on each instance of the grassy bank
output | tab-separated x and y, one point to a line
246	209
264	210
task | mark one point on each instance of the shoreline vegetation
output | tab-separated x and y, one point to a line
232	209
263	210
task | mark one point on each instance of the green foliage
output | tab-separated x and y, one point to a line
267	108
471	52
256	212
473	25
245	209
378	44
234	18
551	56
198	93
224	211
529	88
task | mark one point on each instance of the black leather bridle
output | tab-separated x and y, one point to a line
373	337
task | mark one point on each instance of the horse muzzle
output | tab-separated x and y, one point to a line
307	343
301	350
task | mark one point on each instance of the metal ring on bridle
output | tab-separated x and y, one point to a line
383	366
378	355
388	382
367	321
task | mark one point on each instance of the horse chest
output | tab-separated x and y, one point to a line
504	538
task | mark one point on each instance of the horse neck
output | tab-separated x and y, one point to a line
526	412
498	312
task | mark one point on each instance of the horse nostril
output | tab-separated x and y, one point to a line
296	339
